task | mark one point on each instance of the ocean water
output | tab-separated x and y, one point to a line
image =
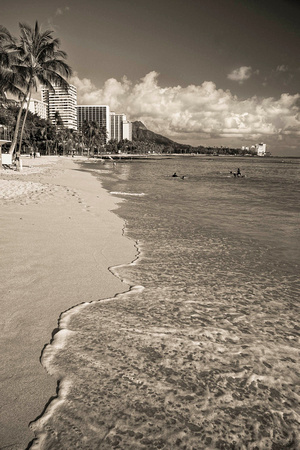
203	351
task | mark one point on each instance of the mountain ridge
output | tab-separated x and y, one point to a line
141	133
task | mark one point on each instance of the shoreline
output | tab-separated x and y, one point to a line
58	341
59	240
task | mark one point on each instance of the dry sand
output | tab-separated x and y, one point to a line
58	238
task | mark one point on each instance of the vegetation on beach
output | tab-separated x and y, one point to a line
42	136
32	58
46	138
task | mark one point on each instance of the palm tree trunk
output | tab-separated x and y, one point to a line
16	132
90	144
46	136
23	124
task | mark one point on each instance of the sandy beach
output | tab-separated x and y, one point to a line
58	239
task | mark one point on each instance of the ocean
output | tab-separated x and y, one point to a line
203	351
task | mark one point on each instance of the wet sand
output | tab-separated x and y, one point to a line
58	238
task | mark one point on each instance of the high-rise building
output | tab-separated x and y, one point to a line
120	128
37	107
61	100
94	113
261	149
127	130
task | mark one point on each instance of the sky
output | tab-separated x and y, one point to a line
201	72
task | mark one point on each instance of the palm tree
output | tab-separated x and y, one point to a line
39	60
87	132
59	125
94	135
12	80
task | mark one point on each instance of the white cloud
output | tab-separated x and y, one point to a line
114	93
241	74
61	11
282	68
193	113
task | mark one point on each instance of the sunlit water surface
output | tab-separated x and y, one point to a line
204	352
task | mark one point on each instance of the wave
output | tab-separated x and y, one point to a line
134	194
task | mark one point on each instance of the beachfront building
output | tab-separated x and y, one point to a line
94	113
261	149
4	139
120	127
61	100
116	126
4	134
127	130
37	107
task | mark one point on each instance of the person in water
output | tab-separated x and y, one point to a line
174	174
236	174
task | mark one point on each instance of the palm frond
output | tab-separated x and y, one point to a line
5	35
59	66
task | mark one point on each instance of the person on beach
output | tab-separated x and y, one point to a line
238	173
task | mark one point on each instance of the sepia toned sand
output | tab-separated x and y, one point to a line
58	239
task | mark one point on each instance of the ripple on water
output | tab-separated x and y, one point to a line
206	354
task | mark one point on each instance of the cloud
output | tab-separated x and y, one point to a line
113	93
61	11
58	12
282	68
241	74
195	112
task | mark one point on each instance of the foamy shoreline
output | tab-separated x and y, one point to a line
58	239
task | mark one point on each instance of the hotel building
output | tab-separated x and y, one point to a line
62	100
120	128
261	149
116	126
94	113
127	130
37	107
